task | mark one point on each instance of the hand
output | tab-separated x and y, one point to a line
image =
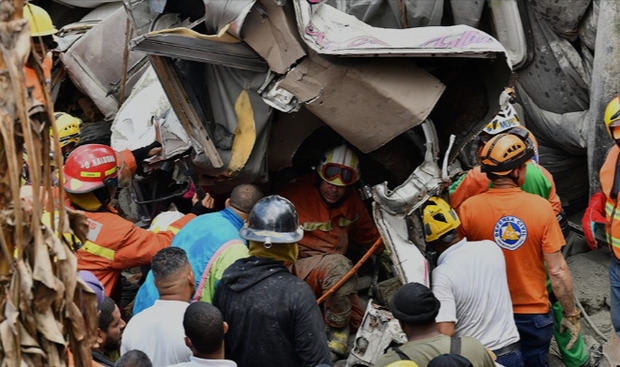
78	222
595	213
206	204
157	150
574	328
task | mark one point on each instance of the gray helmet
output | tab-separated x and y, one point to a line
273	220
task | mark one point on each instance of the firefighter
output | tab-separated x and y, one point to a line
42	32
91	175
332	215
603	208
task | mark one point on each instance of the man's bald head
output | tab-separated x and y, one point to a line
243	197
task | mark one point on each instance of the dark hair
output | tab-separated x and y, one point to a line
105	316
203	324
243	197
168	261
134	358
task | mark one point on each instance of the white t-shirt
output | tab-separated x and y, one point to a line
158	332
201	362
470	282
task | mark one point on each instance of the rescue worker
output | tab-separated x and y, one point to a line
470	283
332	215
273	316
212	243
525	227
603	208
91	175
42	31
68	132
537	181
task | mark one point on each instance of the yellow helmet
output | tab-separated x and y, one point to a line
40	21
339	166
612	115
439	218
404	363
68	128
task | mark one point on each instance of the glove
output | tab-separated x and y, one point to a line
574	328
595	213
203	206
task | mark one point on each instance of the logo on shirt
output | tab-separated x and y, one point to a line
510	233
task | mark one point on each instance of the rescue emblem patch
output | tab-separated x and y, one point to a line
510	233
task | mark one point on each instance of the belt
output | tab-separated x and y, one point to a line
507	349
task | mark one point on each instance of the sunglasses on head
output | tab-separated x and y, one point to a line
332	170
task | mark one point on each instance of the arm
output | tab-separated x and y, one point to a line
561	281
446	318
446	328
363	231
139	245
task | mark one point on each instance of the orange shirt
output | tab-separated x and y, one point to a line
476	182
524	226
327	229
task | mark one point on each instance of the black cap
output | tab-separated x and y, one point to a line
414	303
450	360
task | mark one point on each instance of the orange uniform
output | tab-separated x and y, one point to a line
537	181
114	244
32	81
612	209
327	230
525	227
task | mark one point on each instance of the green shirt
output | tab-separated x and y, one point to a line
228	256
424	350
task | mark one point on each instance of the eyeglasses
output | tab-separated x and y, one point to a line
332	170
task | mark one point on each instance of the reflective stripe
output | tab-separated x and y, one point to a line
615	242
110	171
344	222
90	174
172	229
95	249
321	226
609	209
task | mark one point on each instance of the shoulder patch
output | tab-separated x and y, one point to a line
510	233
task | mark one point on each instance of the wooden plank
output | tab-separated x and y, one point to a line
183	107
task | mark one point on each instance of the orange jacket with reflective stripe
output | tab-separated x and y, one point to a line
32	81
114	244
328	229
612	210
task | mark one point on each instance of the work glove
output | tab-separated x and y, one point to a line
574	328
595	213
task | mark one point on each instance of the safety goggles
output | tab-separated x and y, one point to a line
332	171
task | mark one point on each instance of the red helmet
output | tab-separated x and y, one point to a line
89	168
